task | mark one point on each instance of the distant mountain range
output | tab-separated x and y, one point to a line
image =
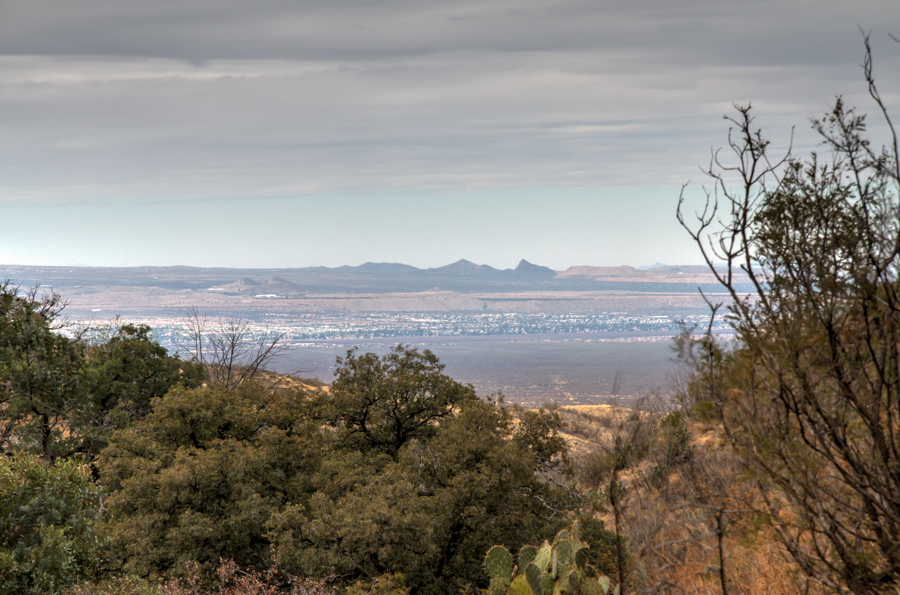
371	277
460	267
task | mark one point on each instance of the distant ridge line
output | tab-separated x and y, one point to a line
462	276
462	266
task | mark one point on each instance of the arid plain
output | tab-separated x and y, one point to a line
583	335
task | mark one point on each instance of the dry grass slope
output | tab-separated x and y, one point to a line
688	506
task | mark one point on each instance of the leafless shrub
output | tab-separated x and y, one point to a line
227	350
812	399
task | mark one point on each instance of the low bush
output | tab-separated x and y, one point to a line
48	516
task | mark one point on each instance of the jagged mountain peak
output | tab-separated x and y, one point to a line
534	270
465	267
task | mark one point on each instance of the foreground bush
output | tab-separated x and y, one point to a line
48	535
198	479
228	579
398	471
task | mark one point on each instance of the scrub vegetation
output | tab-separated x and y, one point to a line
775	469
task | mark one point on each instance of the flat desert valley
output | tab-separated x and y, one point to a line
586	335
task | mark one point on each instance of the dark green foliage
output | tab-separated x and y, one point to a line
48	538
602	545
40	387
486	486
431	513
381	403
200	476
61	397
366	520
416	478
130	369
385	584
122	375
538	432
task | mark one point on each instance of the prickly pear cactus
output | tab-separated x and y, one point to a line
560	568
527	555
499	565
543	557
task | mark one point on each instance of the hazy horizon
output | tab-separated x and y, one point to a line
283	134
641	266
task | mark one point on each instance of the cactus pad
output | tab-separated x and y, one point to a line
581	557
527	555
542	559
535	579
499	564
519	586
563	568
564	552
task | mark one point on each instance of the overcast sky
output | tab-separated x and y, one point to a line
292	133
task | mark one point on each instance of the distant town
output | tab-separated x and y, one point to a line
302	329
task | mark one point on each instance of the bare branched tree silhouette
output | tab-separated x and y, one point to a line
811	393
227	350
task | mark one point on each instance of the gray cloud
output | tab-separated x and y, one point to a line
761	31
119	99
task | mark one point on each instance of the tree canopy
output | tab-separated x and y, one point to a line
40	385
810	393
62	396
382	402
397	470
48	515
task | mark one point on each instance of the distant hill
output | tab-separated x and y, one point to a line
652	266
467	268
379	267
239	286
464	267
525	268
278	286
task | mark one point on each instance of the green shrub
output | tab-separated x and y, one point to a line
198	478
602	545
48	513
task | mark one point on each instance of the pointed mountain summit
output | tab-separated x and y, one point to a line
655	265
528	269
465	267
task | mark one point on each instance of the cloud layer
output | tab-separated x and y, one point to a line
129	99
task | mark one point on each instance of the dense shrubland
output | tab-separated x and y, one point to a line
145	467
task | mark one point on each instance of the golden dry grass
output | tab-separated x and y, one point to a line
288	382
675	520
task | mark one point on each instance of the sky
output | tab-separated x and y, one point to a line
286	133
